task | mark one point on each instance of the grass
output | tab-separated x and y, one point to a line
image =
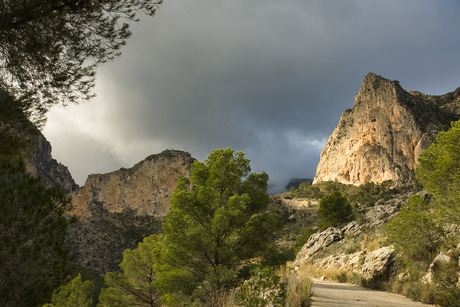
299	289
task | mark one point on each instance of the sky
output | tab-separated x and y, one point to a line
270	78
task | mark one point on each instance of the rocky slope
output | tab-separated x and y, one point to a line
98	241
144	189
381	137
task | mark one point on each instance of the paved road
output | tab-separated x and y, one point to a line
331	294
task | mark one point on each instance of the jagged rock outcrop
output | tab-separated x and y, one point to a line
376	264
317	242
144	189
42	164
371	217
381	137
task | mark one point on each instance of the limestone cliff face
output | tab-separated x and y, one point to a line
144	189
42	164
381	137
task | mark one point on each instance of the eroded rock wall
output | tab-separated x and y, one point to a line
144	189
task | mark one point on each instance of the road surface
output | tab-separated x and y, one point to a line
331	294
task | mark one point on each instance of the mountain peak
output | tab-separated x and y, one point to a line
381	137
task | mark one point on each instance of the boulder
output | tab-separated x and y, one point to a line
434	267
348	262
378	263
317	242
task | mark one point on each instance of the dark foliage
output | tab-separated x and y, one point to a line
34	257
49	49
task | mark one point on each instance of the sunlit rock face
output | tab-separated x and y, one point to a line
145	189
381	137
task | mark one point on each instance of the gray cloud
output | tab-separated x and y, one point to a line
267	77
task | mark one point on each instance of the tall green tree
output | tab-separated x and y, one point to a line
216	225
49	49
439	173
33	254
136	284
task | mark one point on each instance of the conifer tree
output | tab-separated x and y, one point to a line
439	173
216	225
49	49
136	284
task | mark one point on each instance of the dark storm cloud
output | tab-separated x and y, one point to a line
270	78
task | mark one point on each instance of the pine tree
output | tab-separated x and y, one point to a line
216	225
49	49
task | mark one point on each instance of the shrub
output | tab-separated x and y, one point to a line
299	291
334	210
413	231
262	289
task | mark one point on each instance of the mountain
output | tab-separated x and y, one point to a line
144	189
295	182
115	211
381	137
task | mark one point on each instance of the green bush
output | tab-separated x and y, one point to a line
73	293
264	288
334	210
414	233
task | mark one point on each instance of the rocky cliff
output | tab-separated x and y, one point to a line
117	210
19	136
41	163
144	189
381	137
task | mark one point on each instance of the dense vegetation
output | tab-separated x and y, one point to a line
334	210
429	225
33	253
366	194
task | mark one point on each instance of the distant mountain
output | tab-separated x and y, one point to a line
381	137
295	182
